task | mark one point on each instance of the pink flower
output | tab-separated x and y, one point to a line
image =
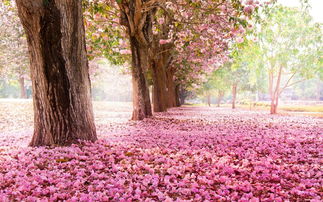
164	41
239	40
249	9
125	51
161	21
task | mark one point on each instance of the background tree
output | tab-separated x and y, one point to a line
217	84
290	46
14	62
238	79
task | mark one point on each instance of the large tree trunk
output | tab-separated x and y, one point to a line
275	92
141	99
139	30
234	95
159	82
59	71
23	93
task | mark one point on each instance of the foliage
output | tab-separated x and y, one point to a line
291	40
14	62
105	37
178	26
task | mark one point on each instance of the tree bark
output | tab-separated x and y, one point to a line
275	92
271	92
178	100
141	99
234	95
59	71
139	30
182	95
159	82
160	60
171	93
23	94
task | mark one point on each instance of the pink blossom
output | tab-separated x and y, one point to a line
164	41
125	51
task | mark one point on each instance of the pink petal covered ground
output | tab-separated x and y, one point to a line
193	154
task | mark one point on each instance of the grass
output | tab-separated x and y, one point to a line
302	108
307	110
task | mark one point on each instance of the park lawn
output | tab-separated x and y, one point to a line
303	110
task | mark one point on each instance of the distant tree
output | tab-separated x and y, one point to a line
217	84
238	79
14	63
289	47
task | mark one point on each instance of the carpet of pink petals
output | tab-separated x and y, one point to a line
186	154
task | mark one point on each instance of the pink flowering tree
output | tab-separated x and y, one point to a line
169	40
14	63
288	50
203	46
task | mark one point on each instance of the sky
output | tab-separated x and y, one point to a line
316	11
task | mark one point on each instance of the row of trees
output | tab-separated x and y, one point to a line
283	51
171	42
168	43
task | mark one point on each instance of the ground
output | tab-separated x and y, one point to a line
188	153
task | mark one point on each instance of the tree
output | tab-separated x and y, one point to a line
290	46
159	32
217	83
242	71
59	71
13	47
137	17
238	79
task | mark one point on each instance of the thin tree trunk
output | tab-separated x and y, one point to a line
234	95
275	93
220	96
318	91
271	91
59	71
171	93
276	104
208	96
182	100
23	93
182	95
141	99
178	101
